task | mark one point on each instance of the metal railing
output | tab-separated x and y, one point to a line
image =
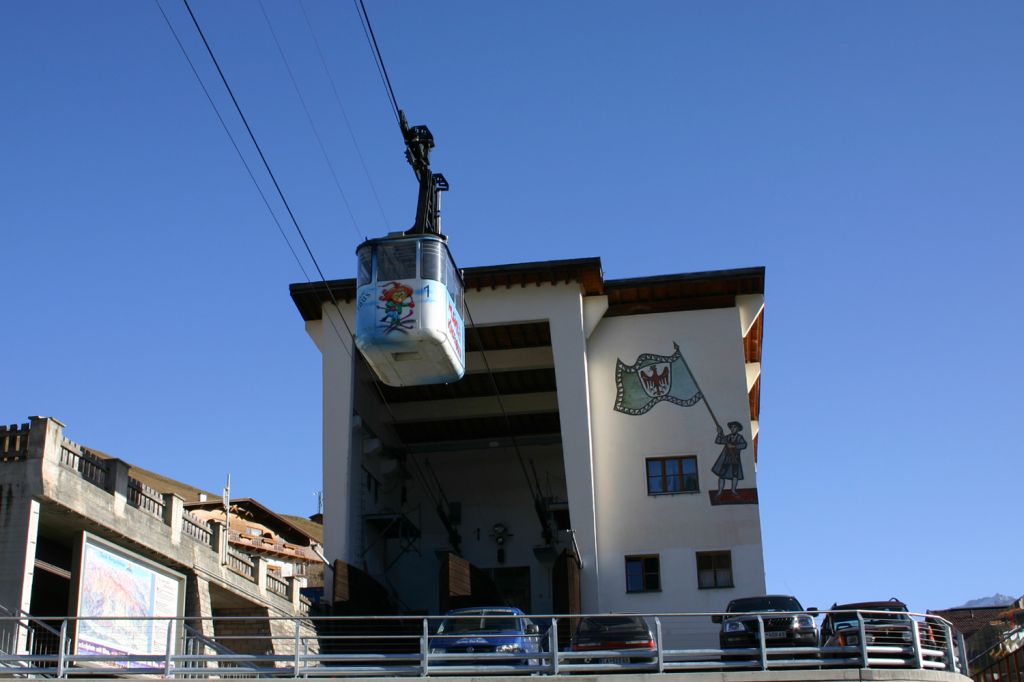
196	528
359	646
277	585
142	497
14	443
241	564
26	638
90	467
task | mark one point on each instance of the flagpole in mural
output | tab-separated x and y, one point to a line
704	395
668	378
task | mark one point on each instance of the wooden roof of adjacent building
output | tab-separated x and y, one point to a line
969	620
289	527
159	482
194	498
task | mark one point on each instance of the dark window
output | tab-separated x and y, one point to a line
432	260
454	283
714	569
643	573
667	475
364	275
455	512
396	261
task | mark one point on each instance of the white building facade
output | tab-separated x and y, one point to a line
607	424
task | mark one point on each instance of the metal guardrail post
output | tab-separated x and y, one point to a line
915	631
553	645
305	652
863	641
657	642
169	651
425	648
761	643
61	647
962	646
298	654
950	660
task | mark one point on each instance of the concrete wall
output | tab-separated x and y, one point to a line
631	522
340	468
38	490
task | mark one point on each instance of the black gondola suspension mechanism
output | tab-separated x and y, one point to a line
409	294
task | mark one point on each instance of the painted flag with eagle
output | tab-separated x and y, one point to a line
652	379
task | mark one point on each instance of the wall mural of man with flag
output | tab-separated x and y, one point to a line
656	378
729	465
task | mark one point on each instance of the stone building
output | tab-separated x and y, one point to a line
599	455
64	505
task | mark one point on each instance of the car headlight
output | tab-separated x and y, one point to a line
803	622
509	649
435	650
853	640
733	626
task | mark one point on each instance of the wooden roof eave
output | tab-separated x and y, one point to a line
310	297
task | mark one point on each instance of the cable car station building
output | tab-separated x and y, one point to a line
599	455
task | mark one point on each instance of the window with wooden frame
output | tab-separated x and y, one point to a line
714	569
643	573
672	475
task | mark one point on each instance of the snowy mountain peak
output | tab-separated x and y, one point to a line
995	600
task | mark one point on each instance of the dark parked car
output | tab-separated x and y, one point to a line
625	636
487	630
796	628
886	623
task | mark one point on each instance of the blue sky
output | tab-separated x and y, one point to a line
869	155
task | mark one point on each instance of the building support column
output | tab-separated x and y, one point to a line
563	308
569	348
20	483
340	462
18	538
199	605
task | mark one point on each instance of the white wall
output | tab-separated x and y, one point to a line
339	466
602	460
630	521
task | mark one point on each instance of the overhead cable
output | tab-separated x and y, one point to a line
231	137
273	178
378	58
312	124
344	113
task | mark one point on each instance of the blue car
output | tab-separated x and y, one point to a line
487	630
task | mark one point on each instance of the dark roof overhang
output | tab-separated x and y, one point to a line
635	296
689	291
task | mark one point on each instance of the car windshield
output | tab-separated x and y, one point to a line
475	622
762	604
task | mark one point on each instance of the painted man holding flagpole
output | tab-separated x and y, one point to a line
729	465
668	378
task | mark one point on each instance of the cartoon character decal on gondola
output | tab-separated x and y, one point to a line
398	308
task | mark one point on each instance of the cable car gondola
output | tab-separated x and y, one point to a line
409	323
